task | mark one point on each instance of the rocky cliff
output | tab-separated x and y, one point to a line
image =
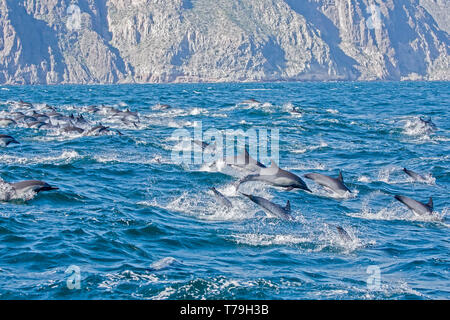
126	41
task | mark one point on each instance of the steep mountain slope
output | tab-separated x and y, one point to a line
117	41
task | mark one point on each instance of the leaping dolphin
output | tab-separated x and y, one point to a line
221	198
343	234
242	161
6	140
335	185
4	122
32	185
271	208
416	206
428	122
277	177
414	175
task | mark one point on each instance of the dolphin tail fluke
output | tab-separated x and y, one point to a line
15	141
430	203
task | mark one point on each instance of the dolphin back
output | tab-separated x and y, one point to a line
35	185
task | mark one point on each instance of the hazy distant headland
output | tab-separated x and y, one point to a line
152	41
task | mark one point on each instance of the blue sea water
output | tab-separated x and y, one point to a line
129	223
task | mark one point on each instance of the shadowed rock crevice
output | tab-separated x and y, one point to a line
37	45
329	33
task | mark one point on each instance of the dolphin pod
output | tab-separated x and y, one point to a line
48	118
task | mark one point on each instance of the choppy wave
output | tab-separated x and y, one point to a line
141	225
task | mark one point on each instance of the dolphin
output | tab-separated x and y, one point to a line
48	108
276	177
414	175
32	185
221	198
25	104
4	122
57	119
129	123
91	109
98	130
343	234
271	208
72	130
80	120
108	110
126	115
25	119
416	206
161	107
36	124
42	117
244	161
335	185
428	122
250	101
6	140
16	114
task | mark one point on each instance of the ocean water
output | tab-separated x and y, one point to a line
129	222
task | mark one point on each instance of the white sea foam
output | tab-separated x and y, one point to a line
253	239
163	263
300	150
64	158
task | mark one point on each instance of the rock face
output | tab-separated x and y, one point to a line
126	41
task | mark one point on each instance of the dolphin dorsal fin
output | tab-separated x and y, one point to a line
430	203
288	206
340	177
273	164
